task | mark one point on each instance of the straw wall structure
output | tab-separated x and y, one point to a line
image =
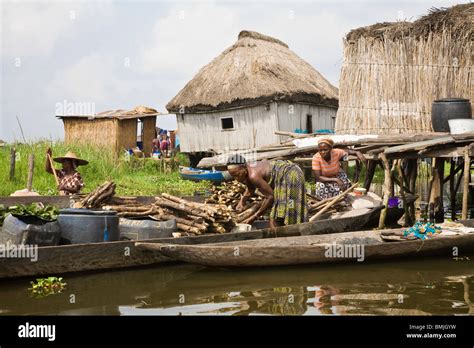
392	72
98	132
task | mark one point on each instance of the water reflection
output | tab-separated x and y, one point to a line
419	287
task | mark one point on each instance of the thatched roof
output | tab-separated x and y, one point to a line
139	111
255	70
458	20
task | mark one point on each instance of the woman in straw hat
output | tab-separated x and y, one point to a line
70	180
282	184
331	180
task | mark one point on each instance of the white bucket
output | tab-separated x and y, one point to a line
243	227
461	125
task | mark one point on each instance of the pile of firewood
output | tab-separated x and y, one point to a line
191	217
230	193
195	217
96	198
217	215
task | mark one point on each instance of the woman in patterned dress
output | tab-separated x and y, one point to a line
282	184
331	180
70	180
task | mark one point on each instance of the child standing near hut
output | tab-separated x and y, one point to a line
331	180
70	180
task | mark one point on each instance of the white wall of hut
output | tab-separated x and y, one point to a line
252	126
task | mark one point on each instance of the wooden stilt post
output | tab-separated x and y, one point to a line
357	171
31	167
436	198
452	192
412	175
371	165
392	184
387	185
467	174
12	163
408	221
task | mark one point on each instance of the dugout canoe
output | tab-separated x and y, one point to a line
61	259
196	174
315	249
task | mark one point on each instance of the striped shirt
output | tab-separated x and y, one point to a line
333	167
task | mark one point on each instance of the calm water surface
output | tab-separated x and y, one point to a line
417	287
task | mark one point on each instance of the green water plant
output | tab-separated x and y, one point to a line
47	286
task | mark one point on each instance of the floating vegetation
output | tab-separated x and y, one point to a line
47	286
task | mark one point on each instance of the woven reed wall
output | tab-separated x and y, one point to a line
388	86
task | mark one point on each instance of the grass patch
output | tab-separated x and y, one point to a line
133	176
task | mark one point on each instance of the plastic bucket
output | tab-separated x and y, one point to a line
461	125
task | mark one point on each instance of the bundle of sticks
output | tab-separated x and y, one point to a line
195	217
96	198
230	193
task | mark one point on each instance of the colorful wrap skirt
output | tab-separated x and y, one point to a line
331	189
288	183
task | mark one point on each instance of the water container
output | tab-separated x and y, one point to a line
146	229
447	109
88	226
29	230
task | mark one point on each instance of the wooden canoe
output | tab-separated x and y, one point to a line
196	174
359	246
55	260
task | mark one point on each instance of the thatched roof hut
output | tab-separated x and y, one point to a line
256	69
392	72
252	89
116	130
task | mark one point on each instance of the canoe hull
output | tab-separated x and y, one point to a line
360	247
201	175
62	259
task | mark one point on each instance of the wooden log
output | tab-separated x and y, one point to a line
150	211
412	173
12	163
200	227
90	200
408	221
125	208
371	165
249	212
419	145
357	171
386	189
187	228
184	208
467	174
31	168
53	169
437	189
453	173
334	201
193	205
452	192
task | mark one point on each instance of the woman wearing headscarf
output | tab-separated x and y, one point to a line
331	180
282	184
70	180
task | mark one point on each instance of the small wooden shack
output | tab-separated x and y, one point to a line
392	72
118	130
254	88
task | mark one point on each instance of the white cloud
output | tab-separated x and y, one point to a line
189	36
32	29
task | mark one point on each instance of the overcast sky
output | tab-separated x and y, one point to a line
118	54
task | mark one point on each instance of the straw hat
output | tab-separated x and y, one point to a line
72	156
